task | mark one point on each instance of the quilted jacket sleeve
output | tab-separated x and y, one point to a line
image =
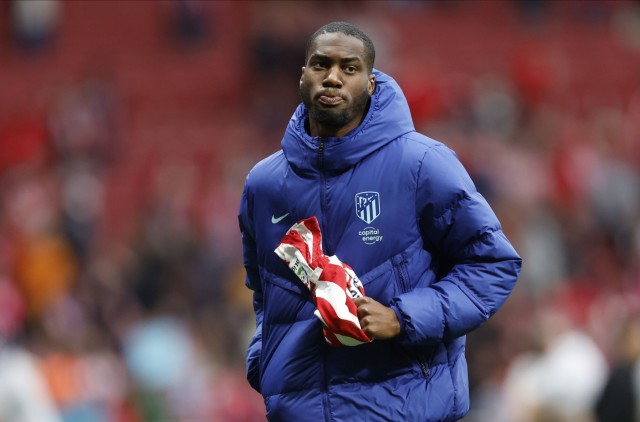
252	282
458	227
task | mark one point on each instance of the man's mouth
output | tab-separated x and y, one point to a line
330	99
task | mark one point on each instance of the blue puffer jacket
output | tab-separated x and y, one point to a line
401	210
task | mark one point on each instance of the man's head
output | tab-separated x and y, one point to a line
347	29
337	79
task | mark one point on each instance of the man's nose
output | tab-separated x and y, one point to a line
332	78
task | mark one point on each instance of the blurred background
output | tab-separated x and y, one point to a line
126	131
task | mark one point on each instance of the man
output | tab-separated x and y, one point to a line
399	209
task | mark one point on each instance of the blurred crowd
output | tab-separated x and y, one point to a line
122	291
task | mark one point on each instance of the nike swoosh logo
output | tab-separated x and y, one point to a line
275	220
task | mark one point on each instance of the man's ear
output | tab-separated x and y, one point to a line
372	84
302	75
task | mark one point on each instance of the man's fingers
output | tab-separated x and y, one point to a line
376	320
362	311
361	300
364	323
364	304
361	303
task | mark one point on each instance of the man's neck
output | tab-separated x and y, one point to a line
315	128
323	131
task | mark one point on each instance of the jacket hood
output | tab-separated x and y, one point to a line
388	118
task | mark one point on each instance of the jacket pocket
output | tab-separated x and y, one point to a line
288	282
419	358
285	301
401	273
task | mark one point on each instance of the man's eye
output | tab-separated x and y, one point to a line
351	69
318	66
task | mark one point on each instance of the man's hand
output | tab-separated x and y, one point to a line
376	320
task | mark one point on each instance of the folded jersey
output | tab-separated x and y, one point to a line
332	283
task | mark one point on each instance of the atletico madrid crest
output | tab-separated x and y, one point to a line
368	206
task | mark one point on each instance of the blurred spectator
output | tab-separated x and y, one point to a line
533	11
558	382
87	380
82	199
190	22
35	23
619	400
495	111
626	25
544	247
85	121
277	52
44	265
24	395
166	368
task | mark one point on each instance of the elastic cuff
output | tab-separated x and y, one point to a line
399	316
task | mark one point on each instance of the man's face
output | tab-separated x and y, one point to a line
335	85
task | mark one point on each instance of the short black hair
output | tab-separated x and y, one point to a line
347	29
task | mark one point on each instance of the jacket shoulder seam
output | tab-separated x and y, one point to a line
465	195
417	189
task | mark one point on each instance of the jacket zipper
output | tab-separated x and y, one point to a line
325	386
404	287
401	270
423	368
400	266
412	355
323	199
